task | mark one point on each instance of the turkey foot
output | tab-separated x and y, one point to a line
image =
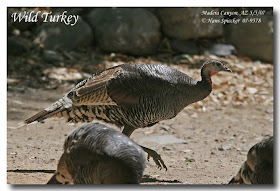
156	157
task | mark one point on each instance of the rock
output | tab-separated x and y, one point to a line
184	46
52	56
164	139
222	49
54	36
185	23
17	46
253	40
125	30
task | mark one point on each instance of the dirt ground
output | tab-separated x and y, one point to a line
218	134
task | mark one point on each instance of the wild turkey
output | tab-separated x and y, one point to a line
133	96
258	168
97	154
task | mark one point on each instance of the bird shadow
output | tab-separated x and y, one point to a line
149	179
145	178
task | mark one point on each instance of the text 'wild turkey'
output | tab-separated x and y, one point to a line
97	154
133	96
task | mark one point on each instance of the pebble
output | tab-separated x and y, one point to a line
165	127
269	111
194	115
187	151
243	153
252	90
189	159
224	147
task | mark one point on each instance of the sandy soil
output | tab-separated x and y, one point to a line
217	140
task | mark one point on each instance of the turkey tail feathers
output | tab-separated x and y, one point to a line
55	108
44	114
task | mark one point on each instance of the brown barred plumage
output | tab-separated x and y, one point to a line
258	168
135	95
132	95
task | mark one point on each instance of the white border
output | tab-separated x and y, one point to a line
113	3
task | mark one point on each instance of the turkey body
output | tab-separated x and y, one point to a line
97	154
258	168
133	96
130	95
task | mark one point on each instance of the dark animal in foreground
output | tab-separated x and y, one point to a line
97	154
258	168
133	96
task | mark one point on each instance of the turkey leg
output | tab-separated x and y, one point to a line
151	153
156	157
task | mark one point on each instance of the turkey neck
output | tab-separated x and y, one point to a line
206	78
200	90
204	87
